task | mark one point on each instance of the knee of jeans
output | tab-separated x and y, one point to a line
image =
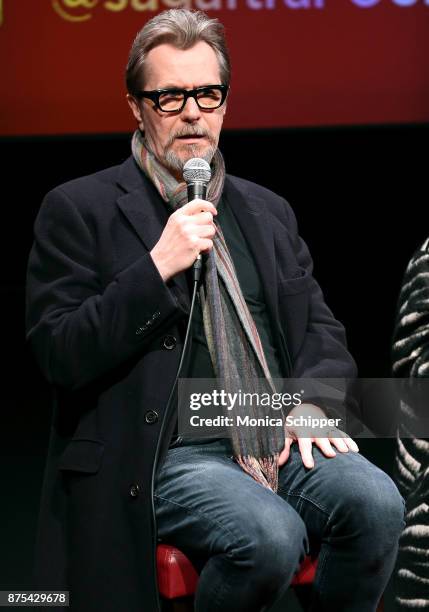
391	509
276	544
376	506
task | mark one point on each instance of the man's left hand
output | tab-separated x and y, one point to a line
333	438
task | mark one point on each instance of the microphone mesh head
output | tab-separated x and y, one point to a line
196	170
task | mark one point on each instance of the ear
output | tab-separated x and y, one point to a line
136	110
225	104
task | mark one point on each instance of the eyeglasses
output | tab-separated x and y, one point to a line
173	100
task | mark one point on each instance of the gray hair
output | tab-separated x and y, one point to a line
181	28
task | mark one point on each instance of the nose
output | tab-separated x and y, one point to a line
191	111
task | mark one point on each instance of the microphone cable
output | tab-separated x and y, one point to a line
197	267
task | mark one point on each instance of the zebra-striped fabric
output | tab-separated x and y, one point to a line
411	358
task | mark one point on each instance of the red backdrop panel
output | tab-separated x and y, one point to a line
295	62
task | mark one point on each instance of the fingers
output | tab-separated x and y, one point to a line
199	244
196	219
202	218
193	224
342	442
339	443
351	444
284	455
197	206
305	448
205	245
325	446
339	440
188	232
202	231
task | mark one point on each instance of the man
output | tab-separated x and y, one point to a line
108	297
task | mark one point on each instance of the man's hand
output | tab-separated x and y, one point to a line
338	439
187	233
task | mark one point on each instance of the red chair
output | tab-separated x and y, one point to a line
177	577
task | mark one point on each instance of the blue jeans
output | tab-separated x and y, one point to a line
249	542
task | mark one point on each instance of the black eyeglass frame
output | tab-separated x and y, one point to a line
155	94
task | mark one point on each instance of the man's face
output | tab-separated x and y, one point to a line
176	137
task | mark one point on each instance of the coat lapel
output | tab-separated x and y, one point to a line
146	212
253	218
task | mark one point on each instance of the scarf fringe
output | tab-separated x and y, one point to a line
264	470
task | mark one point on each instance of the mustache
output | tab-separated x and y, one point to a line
189	131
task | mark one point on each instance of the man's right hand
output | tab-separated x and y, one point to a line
187	233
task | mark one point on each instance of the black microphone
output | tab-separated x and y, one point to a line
197	174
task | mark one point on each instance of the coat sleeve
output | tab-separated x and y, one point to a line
77	329
323	353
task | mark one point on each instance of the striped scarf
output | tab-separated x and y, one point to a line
232	337
410	354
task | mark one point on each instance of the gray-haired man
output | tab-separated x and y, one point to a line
108	300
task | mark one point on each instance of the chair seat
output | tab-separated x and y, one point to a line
177	577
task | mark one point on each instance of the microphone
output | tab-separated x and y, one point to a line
197	174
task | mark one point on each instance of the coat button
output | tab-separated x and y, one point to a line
134	490
151	417
169	342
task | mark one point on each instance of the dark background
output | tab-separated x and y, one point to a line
360	196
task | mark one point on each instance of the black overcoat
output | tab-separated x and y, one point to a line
97	316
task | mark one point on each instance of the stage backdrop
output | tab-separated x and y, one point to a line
295	62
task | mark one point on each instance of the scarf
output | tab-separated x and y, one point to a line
234	344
